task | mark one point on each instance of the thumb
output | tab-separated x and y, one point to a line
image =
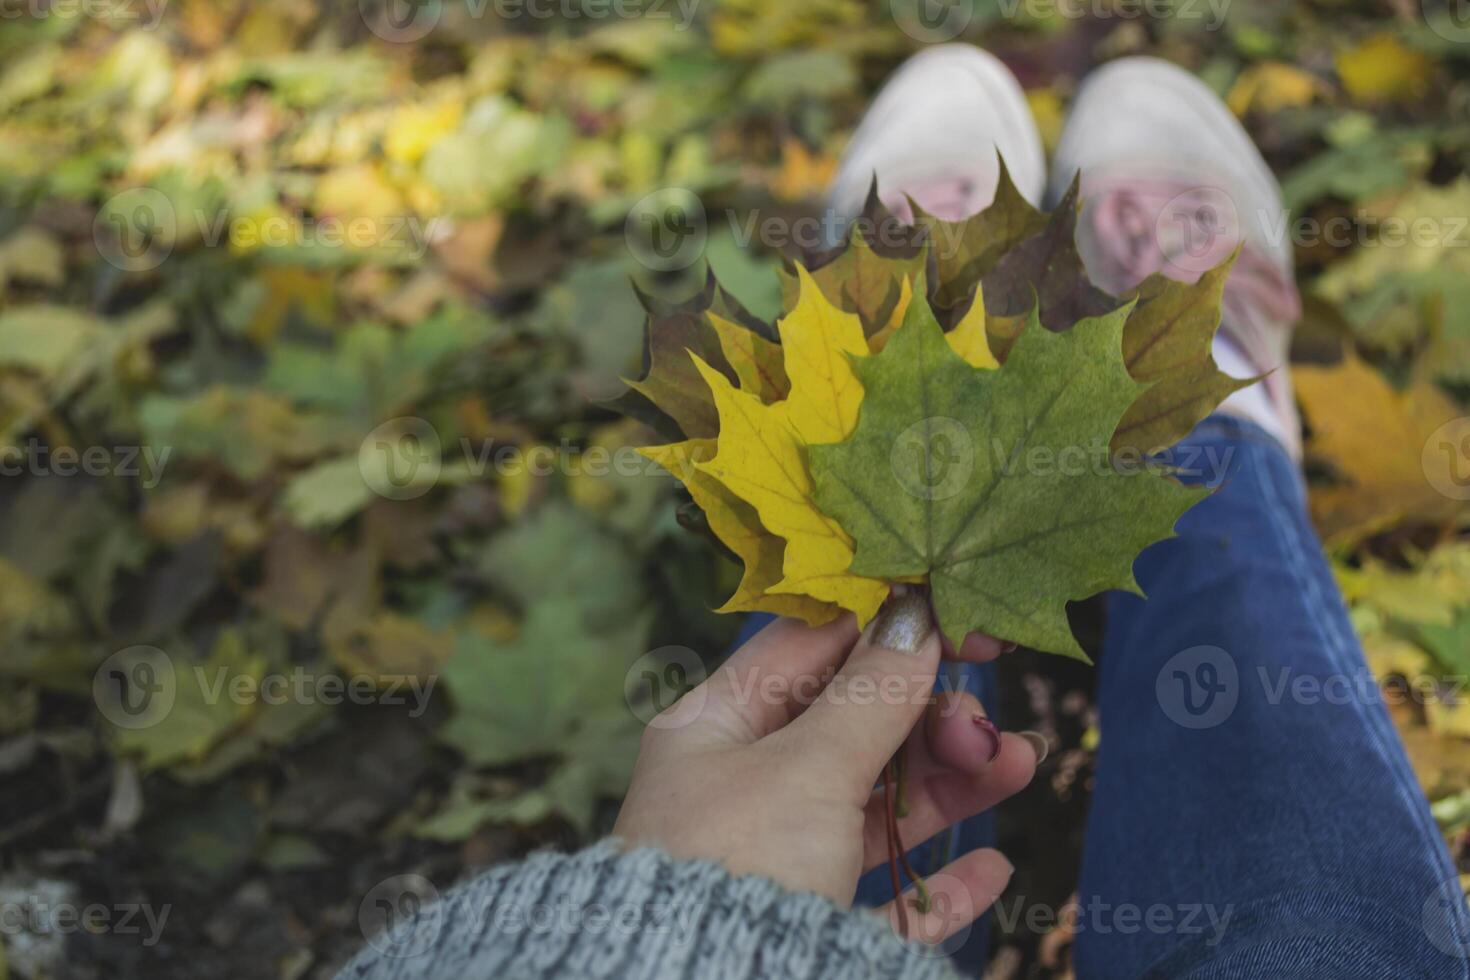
880	693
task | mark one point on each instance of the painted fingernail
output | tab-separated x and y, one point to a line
903	624
1008	646
992	733
1037	743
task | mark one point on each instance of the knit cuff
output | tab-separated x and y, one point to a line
605	912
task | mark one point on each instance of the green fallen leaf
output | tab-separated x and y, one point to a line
203	710
534	697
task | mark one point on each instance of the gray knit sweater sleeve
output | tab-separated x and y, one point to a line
633	915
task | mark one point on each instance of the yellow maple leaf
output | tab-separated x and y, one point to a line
760	452
737	524
968	339
757	361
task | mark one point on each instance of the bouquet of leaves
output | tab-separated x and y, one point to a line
948	404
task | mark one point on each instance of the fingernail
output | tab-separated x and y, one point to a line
1037	743
1008	646
988	727
903	624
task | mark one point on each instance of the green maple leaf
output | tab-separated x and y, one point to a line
998	485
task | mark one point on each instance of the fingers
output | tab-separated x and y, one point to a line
959	893
956	735
880	692
775	674
977	648
948	779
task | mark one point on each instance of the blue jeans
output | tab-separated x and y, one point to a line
1254	814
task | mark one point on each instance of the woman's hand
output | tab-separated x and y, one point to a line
769	766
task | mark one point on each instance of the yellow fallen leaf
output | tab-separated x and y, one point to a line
1384	69
289	288
761	459
1272	86
1440	762
1389	656
1374	438
389	646
737	524
803	174
359	191
1446	716
415	128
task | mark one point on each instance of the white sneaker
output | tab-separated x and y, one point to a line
1172	183
932	134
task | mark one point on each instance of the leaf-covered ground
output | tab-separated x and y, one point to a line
306	315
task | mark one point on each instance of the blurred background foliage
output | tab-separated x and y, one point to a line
232	358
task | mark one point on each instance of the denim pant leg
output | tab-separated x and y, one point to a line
1254	812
